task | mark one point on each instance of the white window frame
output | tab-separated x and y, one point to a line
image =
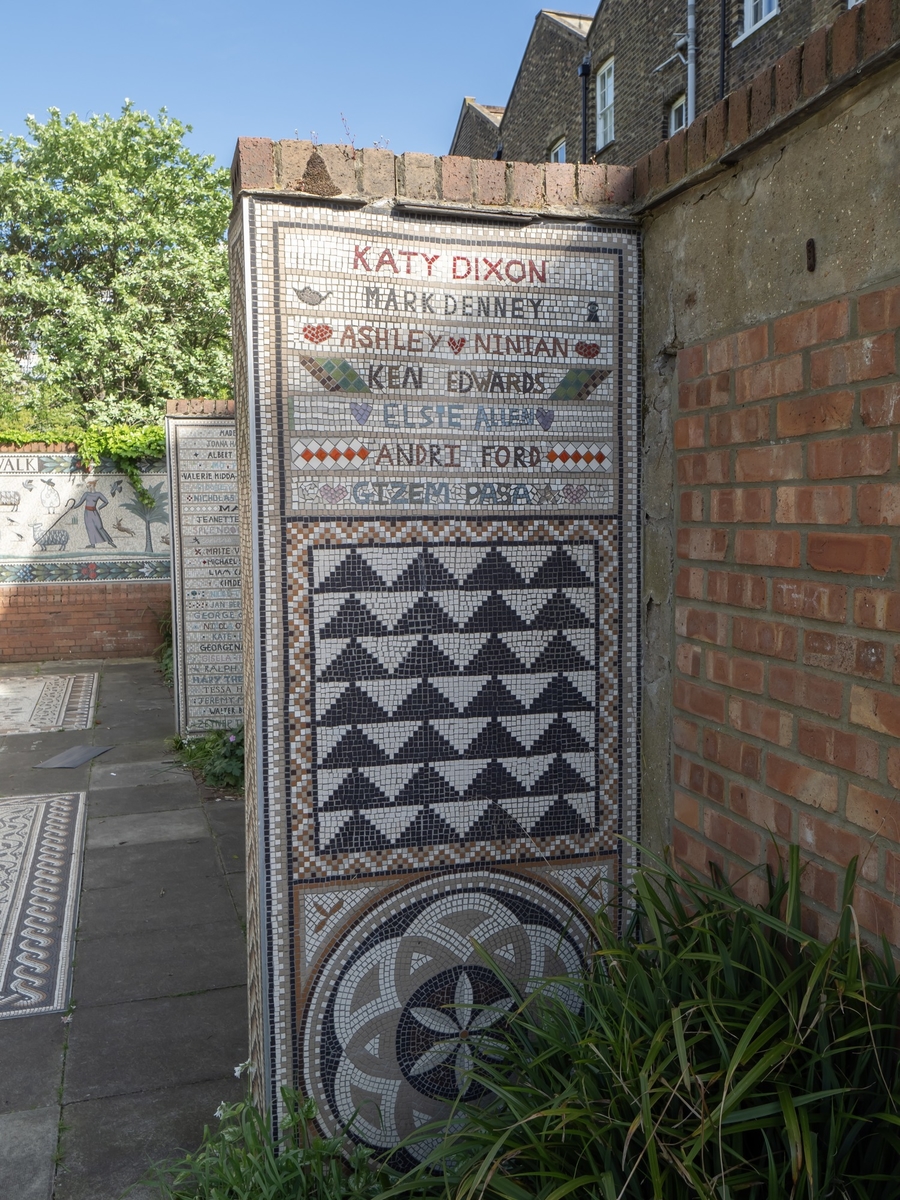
767	10
678	102
558	151
606	103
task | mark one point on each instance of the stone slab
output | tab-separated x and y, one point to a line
27	1148
32	1056
140	828
109	1145
119	1049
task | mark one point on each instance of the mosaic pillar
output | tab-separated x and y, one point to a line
438	457
206	574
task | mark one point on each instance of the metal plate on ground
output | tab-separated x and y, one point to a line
41	844
47	703
75	756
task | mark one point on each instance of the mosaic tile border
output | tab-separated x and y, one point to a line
41	847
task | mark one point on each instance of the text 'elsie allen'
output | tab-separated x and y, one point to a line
476	268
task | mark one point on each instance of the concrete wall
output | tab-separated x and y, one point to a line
773	579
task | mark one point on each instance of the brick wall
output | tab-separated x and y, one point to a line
76	621
787	705
545	102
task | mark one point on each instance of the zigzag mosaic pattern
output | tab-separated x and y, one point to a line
455	693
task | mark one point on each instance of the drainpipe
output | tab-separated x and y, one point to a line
723	25
584	73
691	60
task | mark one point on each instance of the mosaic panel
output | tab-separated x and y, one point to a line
40	871
405	1004
454	699
438	434
47	703
62	524
206	575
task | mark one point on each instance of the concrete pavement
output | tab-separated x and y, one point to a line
159	991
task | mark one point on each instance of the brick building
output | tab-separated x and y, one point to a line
626	69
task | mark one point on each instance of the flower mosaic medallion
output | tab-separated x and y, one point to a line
406	1005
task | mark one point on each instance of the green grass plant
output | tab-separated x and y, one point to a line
239	1160
720	1053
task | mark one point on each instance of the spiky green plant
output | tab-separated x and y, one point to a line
720	1053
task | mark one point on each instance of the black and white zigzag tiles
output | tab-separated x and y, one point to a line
455	693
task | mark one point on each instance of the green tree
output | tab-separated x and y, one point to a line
154	513
113	267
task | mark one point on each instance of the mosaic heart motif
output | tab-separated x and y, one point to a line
456	344
544	417
317	333
574	492
587	349
361	412
332	494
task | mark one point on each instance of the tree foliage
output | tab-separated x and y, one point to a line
113	268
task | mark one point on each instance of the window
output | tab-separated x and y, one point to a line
677	114
558	151
605	124
756	13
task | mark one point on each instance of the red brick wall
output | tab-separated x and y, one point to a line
787	705
96	620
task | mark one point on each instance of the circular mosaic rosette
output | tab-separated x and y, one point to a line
405	1003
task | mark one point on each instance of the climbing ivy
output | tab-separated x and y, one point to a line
127	446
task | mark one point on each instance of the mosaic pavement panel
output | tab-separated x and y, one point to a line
46	703
405	1004
439	476
40	870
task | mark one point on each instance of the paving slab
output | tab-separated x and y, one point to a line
108	1145
140	828
27	1149
227	822
145	904
160	962
165	863
31	1061
120	1049
154	797
237	886
23	780
147	750
117	774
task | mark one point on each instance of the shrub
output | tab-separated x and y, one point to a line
719	1053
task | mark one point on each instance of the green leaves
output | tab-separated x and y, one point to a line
113	268
719	1052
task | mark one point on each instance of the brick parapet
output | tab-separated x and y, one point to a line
78	621
342	172
787	671
862	41
200	407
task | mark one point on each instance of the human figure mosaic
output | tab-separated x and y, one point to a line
438	463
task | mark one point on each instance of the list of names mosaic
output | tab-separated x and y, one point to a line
206	575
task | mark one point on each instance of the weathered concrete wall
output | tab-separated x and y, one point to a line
787	376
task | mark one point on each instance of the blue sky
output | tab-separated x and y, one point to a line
397	70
